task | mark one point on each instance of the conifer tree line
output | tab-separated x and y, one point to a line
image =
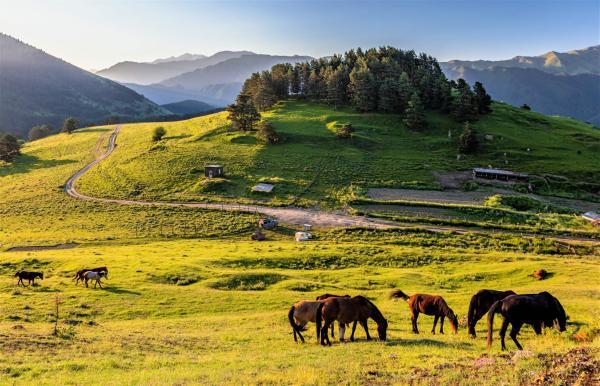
385	79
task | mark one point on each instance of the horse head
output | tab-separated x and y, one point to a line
561	316
453	321
382	329
41	275
18	273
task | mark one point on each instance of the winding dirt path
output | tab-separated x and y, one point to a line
288	215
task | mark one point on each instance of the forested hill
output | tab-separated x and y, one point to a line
384	80
37	88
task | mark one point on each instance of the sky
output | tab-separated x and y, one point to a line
97	34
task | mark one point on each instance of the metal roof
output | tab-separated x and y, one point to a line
499	171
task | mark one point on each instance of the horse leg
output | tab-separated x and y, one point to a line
503	332
514	332
333	329
363	323
342	331
99	283
415	317
324	332
353	330
435	319
442	324
537	327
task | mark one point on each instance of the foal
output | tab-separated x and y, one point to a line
29	276
428	305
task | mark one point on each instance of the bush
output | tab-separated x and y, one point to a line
345	131
267	133
158	133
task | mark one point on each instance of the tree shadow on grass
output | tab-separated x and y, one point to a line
26	163
118	290
181	136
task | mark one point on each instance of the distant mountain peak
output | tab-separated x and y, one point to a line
186	56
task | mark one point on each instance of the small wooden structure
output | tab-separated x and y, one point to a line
213	171
500	175
592	217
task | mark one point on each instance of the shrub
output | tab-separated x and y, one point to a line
345	131
158	133
267	133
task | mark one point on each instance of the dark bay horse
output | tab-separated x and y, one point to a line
327	296
348	310
305	311
429	305
480	305
538	310
29	276
79	274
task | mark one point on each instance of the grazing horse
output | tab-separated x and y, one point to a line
538	310
29	276
429	305
480	305
94	276
79	274
327	296
306	311
347	310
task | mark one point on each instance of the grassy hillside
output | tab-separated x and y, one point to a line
313	166
189	297
35	211
191	311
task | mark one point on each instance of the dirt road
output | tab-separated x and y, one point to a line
289	215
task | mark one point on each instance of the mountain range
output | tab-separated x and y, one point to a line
38	88
215	79
554	83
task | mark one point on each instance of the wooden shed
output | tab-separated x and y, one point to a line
498	174
213	171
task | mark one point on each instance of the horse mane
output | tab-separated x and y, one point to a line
445	308
377	315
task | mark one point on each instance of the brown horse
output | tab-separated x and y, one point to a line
348	310
306	311
79	274
538	310
429	305
327	296
480	305
29	276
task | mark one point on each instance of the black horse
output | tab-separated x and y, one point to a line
538	310
480	305
79	274
29	276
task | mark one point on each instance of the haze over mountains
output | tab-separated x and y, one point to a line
553	83
38	88
216	79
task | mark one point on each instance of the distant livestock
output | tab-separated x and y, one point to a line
29	276
95	277
79	275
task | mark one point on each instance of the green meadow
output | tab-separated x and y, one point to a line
190	299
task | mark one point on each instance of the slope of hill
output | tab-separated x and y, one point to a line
576	96
186	56
584	61
555	83
188	106
313	167
148	73
37	88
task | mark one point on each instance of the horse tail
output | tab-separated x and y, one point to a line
398	294
295	327
493	310
319	319
471	315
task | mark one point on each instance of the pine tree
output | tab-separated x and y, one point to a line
335	83
243	114
390	100
38	132
482	99
468	142
363	88
415	114
266	133
463	106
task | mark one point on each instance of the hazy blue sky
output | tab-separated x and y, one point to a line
96	34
